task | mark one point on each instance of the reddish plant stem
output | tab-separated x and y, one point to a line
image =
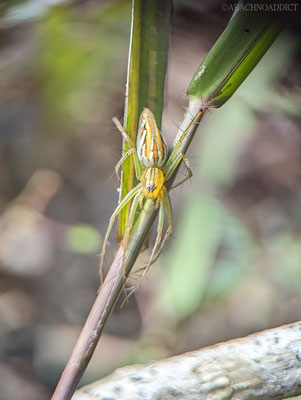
91	332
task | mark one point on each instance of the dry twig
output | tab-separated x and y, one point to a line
265	365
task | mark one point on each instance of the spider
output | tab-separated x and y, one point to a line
152	170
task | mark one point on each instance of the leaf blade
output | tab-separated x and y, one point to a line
145	81
243	43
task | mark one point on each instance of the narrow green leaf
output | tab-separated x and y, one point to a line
243	43
198	242
146	76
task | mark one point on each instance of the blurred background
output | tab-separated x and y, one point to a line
233	265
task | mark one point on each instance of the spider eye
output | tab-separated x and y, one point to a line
151	188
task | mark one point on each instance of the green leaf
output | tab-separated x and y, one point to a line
243	43
146	76
194	254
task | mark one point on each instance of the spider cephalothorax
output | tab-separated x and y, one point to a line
152	181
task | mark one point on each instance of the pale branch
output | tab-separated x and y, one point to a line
265	365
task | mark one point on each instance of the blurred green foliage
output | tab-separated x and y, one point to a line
216	249
79	58
83	238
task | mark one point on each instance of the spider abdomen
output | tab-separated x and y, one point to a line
151	147
152	180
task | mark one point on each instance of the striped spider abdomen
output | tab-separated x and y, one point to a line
151	147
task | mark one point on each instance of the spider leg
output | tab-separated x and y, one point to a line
126	237
152	258
123	132
187	165
120	162
166	205
117	210
132	150
180	157
141	198
131	219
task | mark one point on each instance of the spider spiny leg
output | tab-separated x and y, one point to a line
117	210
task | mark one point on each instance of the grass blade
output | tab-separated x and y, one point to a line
243	43
146	77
